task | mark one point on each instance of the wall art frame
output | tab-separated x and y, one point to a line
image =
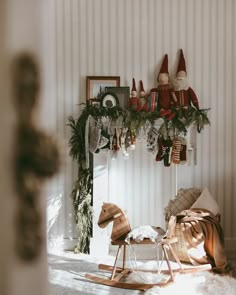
95	86
123	94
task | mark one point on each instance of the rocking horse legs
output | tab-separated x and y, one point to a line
115	264
124	256
168	262
124	271
117	273
165	245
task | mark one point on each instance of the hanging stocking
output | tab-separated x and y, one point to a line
167	146
94	134
176	149
115	143
103	142
152	139
161	149
183	151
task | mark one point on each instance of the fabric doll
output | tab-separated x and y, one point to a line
143	101
134	103
184	94
163	97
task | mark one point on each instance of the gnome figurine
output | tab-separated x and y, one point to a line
163	95
185	95
134	103
143	101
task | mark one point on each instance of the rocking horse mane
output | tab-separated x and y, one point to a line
112	213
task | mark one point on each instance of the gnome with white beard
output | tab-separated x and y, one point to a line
185	95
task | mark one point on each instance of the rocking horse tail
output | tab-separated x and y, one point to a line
121	227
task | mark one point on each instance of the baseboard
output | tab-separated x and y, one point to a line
230	247
69	244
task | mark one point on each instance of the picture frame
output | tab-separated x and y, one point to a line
95	86
109	100
123	94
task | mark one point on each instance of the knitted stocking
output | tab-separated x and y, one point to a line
152	139
176	149
183	152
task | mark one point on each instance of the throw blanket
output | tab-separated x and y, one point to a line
200	239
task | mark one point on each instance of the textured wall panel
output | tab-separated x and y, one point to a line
130	38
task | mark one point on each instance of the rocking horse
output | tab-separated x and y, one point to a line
121	228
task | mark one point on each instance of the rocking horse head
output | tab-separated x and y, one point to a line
112	213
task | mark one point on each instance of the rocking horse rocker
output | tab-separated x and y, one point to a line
120	230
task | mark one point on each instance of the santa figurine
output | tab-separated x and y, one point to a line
143	100
134	102
163	97
185	95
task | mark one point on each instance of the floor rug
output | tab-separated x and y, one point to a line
201	283
67	277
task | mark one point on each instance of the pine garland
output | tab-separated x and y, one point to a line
82	200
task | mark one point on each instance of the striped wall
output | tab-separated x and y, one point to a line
129	38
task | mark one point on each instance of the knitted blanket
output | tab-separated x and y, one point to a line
200	239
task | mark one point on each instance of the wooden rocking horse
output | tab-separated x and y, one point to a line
121	227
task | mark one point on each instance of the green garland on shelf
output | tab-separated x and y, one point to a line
82	190
83	212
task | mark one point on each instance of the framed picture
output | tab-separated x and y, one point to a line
123	94
109	100
95	85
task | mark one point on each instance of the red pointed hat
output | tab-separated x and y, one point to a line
134	86
141	86
181	65
164	66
